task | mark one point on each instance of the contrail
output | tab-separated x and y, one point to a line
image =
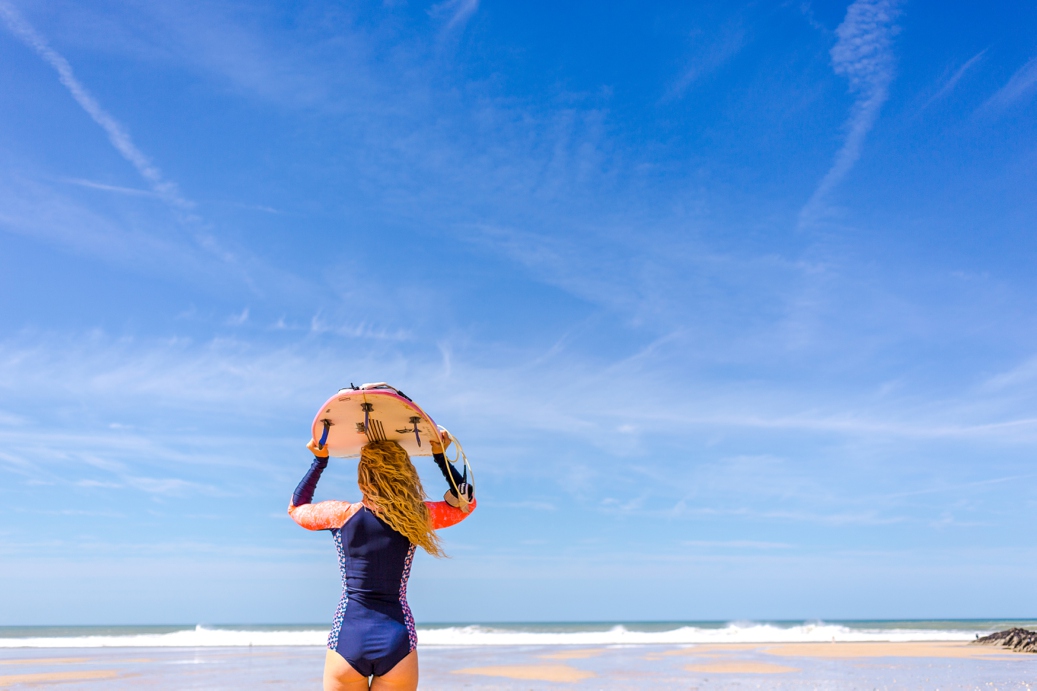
1022	83
462	11
863	54
117	134
955	78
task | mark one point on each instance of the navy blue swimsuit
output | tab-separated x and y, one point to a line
373	628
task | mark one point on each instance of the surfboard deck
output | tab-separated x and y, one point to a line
373	412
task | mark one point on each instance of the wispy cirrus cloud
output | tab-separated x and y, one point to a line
117	189
737	544
715	51
1022	84
1023	373
43	212
130	382
864	55
40	211
161	187
459	11
952	81
117	133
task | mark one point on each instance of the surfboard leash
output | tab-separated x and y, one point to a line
461	496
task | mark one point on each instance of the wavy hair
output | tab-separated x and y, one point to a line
391	486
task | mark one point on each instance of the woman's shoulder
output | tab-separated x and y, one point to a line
325	515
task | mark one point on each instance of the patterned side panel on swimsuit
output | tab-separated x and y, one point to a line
340	613
412	633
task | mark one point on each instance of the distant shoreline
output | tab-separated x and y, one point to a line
520	634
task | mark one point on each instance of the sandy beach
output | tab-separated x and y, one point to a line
836	666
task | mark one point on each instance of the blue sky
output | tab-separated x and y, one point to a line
731	304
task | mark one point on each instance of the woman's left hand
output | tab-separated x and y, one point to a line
317	451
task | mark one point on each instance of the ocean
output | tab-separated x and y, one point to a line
513	634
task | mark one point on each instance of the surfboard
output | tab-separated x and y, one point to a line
373	412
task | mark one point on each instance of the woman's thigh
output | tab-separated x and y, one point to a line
402	677
339	675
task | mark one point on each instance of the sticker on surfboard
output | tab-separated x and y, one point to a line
373	412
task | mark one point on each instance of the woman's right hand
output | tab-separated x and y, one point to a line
444	441
317	451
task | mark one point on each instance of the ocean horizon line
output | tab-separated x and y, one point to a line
537	623
478	634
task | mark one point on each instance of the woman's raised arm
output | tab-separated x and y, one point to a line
453	477
324	515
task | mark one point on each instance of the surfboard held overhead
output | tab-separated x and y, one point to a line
373	412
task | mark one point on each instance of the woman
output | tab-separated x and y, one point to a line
372	636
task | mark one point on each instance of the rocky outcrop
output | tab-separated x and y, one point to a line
1019	640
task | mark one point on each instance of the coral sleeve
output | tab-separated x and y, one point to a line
325	515
442	515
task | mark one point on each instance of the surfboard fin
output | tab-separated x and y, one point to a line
324	435
417	433
367	408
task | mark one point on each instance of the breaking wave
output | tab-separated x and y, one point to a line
683	635
490	635
198	637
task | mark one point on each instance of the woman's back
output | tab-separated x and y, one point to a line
373	627
373	558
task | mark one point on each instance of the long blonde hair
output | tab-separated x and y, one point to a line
392	488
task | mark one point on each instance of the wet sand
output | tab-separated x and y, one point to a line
835	666
563	673
736	667
849	651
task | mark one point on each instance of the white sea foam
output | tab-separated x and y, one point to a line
684	635
198	637
202	637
